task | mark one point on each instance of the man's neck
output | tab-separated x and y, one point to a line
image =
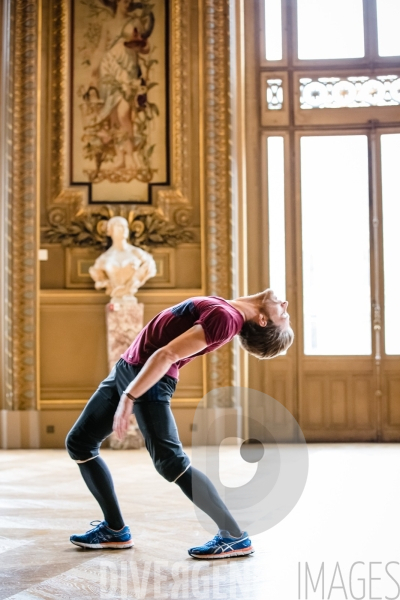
248	306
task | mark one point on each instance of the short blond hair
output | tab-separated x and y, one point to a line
265	342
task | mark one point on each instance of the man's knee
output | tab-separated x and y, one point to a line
78	448
172	468
72	444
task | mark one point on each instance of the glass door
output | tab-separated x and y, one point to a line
336	367
388	151
329	108
335	245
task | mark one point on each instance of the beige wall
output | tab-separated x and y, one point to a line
73	344
73	353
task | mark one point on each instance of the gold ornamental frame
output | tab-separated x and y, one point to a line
63	201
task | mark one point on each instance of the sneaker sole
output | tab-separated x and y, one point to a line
232	554
112	545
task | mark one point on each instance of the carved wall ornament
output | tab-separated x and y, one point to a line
147	227
169	199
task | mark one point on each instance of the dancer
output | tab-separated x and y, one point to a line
143	381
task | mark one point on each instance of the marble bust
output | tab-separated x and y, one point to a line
123	268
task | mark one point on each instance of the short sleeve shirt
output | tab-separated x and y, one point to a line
220	321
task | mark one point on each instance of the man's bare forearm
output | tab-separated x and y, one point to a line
154	369
187	344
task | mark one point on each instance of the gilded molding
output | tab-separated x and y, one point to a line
180	94
6	106
172	201
216	160
147	226
58	86
24	259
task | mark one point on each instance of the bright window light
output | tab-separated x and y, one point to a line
330	29
388	27
273	30
335	239
390	148
276	215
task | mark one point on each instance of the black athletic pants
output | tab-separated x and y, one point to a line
157	425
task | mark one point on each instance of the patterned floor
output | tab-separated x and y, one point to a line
347	520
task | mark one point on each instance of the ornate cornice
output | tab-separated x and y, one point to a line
24	238
216	160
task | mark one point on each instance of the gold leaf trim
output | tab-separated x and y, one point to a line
216	160
147	226
24	204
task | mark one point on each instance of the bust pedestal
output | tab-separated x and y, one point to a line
124	321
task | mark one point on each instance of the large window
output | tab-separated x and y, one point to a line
335	235
330	29
390	152
388	27
276	214
330	82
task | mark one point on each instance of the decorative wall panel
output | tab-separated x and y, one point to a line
22	75
68	213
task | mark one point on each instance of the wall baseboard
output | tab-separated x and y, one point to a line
29	429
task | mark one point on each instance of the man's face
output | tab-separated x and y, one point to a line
276	309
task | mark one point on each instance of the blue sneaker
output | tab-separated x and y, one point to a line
223	546
101	536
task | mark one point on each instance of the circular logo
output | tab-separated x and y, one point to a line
268	442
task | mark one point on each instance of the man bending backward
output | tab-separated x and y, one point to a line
143	382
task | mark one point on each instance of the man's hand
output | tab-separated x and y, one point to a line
122	415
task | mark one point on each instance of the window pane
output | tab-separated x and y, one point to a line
390	148
330	29
273	30
274	94
352	91
388	27
276	216
335	234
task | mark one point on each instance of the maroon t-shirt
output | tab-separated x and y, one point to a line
220	321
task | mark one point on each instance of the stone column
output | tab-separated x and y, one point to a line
124	321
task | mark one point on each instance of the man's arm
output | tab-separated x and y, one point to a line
187	344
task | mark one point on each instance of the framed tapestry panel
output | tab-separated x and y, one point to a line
119	98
